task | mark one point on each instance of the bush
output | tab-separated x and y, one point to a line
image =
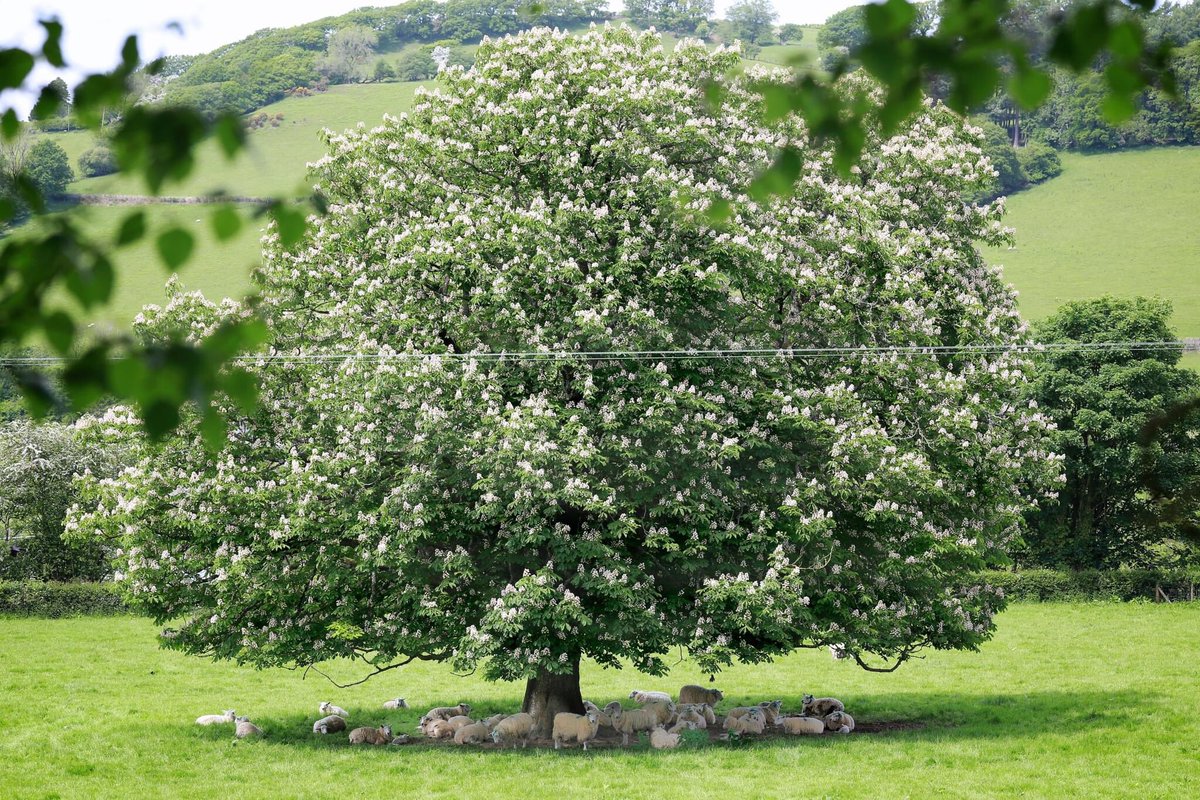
97	161
38	599
1039	162
1092	584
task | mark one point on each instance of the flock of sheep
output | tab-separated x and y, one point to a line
656	714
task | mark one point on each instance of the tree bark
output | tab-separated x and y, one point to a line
549	694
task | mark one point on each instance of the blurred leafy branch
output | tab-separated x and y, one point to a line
52	271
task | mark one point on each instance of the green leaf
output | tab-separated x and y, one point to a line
129	54
127	376
226	222
52	49
60	331
159	417
290	223
86	378
720	211
889	19
132	229
230	133
1119	107
213	429
15	66
10	125
175	247
1126	40
242	388
37	391
1030	87
49	101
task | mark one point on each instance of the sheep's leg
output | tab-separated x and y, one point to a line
557	743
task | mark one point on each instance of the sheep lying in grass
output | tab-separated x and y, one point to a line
461	721
664	711
494	720
439	729
245	728
698	695
799	725
688	715
662	739
378	736
331	724
395	704
839	722
475	733
703	710
753	721
820	706
634	720
514	728
770	710
643	697
228	715
446	712
575	727
401	739
330	708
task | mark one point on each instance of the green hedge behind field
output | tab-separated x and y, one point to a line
49	599
1122	584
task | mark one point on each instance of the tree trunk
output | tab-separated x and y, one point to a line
549	694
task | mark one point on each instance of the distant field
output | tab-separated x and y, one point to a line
1118	223
1068	701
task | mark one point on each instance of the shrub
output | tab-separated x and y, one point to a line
1093	584
49	599
1039	162
97	161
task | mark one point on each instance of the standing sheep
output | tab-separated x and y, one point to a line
245	728
603	714
643	697
378	736
330	708
634	720
475	733
575	727
228	715
510	729
395	704
821	706
799	725
331	724
699	695
840	722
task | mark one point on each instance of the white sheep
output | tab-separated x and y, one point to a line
575	727
753	721
330	708
246	728
509	729
603	714
439	729
475	733
663	710
396	704
331	724
461	721
770	709
662	739
689	716
643	697
799	725
228	715
698	695
839	721
379	736
494	720
446	712
634	720
821	706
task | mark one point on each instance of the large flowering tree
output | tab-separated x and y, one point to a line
400	498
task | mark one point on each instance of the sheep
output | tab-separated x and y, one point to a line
401	739
634	720
379	736
494	720
331	724
704	710
330	708
690	716
228	715
820	706
839	721
643	697
661	739
770	710
446	712
439	729
518	726
395	704
246	728
459	722
578	727
475	733
663	710
698	695
753	722
603	714
798	725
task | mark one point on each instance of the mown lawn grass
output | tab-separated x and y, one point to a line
1069	700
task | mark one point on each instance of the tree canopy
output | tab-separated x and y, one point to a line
403	492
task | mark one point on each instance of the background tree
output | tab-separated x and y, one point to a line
681	16
753	21
49	167
518	514
791	33
1100	401
349	54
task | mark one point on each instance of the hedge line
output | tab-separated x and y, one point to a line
49	599
1091	584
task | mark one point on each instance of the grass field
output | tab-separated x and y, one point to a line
1119	223
1069	700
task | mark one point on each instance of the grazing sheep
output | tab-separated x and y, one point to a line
446	712
510	729
754	722
331	724
228	715
380	736
246	728
661	739
439	729
699	695
459	722
643	697
634	720
475	733
840	722
798	725
395	704
330	708
820	706
575	727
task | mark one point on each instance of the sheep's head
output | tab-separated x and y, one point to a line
612	707
633	695
593	718
386	730
464	709
230	714
808	699
496	736
325	707
717	693
243	719
401	703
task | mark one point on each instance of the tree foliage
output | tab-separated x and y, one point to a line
753	21
682	16
516	514
1101	401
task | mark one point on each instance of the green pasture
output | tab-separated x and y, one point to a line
1118	223
1068	700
